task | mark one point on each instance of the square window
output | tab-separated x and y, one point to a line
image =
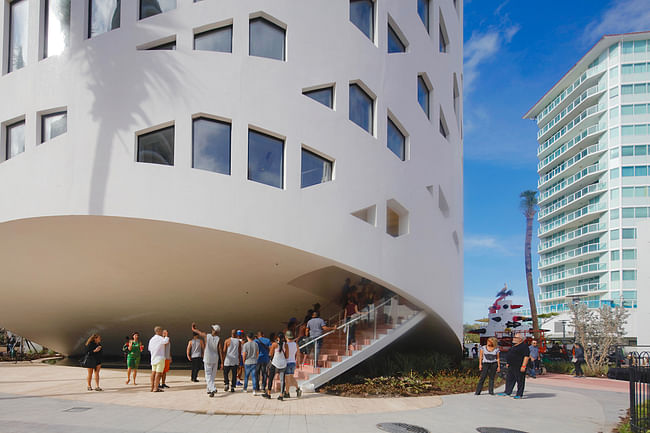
639	88
157	147
627	191
627	212
626	89
266	39
265	159
219	40
627	69
615	275
640	108
150	8
627	110
53	125
314	169
628	233
629	254
628	47
629	275
639	46
627	172
17	46
639	68
325	95
613	173
15	143
361	108
396	140
640	150
627	151
640	191
613	214
614	235
641	129
362	15
104	16
211	145
627	130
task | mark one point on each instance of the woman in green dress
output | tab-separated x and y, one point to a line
133	353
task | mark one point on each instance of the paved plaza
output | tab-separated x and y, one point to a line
45	398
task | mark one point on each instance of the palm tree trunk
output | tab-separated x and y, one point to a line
529	273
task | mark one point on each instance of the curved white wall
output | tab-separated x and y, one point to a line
113	91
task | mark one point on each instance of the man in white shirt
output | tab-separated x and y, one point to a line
156	346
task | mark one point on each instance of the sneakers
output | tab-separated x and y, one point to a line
286	395
280	398
256	393
517	397
164	386
239	383
211	394
245	390
266	395
298	392
232	389
98	389
225	388
502	394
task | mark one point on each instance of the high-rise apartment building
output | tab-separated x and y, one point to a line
594	180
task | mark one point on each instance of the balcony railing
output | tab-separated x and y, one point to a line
596	187
592	130
591	150
569	108
561	186
574	234
600	108
568	255
572	291
573	272
589	209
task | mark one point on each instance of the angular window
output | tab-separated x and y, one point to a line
368	214
456	98
395	44
266	39
443	38
164	46
154	7
444	129
157	147
104	16
396	140
362	15
17	35
423	12
361	108
57	27
214	40
15	139
397	219
423	94
211	145
53	125
265	159
325	95
314	169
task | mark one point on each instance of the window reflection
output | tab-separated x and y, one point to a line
396	141
104	16
423	95
423	11
53	125
361	108
214	40
17	34
324	96
362	15
157	147
265	159
211	145
266	39
314	169
154	7
15	139
395	45
57	27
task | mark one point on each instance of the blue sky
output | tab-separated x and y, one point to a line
514	52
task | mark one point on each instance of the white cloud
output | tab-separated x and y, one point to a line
488	244
622	16
481	47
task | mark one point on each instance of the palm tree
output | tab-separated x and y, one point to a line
529	208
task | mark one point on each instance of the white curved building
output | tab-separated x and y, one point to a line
226	161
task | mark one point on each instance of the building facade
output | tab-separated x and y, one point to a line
594	184
170	161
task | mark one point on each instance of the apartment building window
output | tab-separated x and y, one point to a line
157	147
423	94
265	159
150	8
323	95
104	16
211	145
396	141
443	38
57	27
214	40
53	125
395	44
314	169
362	15
423	12
266	39
15	139
361	108
18	18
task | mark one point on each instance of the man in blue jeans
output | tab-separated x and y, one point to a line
534	359
249	354
261	368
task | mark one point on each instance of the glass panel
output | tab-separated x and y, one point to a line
362	14
613	214
154	7
265	159
627	171
613	235
639	68
627	191
17	35
157	147
640	129
641	212
15	139
627	110
423	11
628	47
626	69
627	130
211	145
626	89
639	88
266	39
627	212
627	151
361	108
629	275
396	141
613	173
324	96
395	44
57	27
314	169
639	109
53	125
615	275
423	95
640	191
104	16
628	234
641	170
166	46
639	46
613	153
214	40
615	255
629	254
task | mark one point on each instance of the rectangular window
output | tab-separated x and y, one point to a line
314	169
53	125
266	39
613	214
627	171
616	255
265	159
627	192
614	235
641	212
627	151
628	47
615	275
640	109
104	16
157	147
150	8
395	43
629	254
629	275
361	108
627	110
613	153
639	88
613	92
640	191
627	130
613	173
15	139
214	40
17	47
639	46
396	140
627	89
641	170
613	113
639	68
640	129
628	233
57	27
627	212
211	145
627	69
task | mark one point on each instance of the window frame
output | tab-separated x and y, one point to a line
44	116
268	134
221	122
373	100
273	23
204	31
90	19
320	156
153	130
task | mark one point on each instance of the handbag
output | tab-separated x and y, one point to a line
574	359
88	361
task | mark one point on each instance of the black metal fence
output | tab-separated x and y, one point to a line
639	367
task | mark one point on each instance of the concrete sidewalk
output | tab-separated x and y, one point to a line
37	398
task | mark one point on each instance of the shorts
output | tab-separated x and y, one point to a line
158	367
291	368
132	362
167	362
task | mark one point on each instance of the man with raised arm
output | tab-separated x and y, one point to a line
210	356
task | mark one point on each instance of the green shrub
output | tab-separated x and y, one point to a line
562	367
595	373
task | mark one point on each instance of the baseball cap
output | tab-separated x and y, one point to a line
216	328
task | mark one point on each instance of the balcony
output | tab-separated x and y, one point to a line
586	137
588	117
586	289
576	199
570	166
576	217
582	253
584	271
573	237
585	176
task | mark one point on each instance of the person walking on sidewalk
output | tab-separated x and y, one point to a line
578	359
262	366
517	361
195	348
488	364
249	353
94	353
156	347
210	356
134	351
232	350
168	360
278	364
534	359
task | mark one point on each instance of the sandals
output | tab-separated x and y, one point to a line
98	389
90	388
